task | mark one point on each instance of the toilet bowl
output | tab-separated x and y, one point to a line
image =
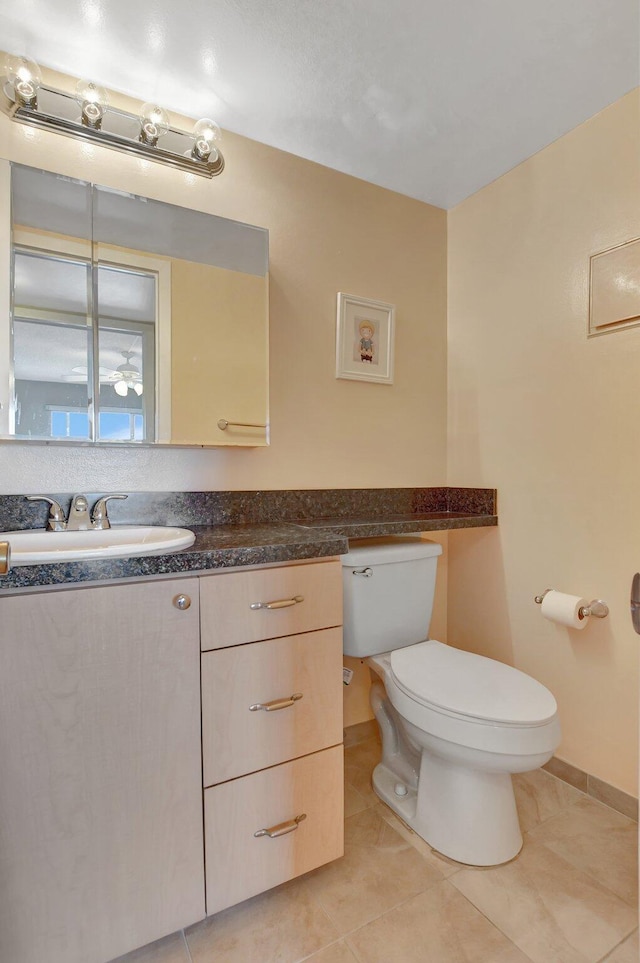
454	725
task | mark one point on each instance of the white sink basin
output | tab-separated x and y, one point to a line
37	546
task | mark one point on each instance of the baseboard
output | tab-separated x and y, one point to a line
360	732
611	796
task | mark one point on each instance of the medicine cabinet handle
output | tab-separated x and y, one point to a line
282	828
276	703
223	424
279	604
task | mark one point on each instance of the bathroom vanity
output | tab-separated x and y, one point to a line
102	790
171	725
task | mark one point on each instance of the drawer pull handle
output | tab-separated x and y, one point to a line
282	828
276	703
279	604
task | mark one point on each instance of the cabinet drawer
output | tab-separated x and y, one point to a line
227	616
237	740
240	864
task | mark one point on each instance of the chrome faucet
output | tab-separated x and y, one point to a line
79	519
56	521
99	516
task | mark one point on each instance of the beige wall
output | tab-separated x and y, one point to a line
551	419
328	233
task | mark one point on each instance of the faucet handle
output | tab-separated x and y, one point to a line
57	520
99	516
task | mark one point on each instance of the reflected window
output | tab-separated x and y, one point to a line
69	424
53	349
127	299
51	339
114	425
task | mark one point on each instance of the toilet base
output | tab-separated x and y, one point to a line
467	815
459	801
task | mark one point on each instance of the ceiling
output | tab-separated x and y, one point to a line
431	98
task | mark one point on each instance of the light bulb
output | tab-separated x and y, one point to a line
154	122
93	101
121	388
138	388
206	134
25	77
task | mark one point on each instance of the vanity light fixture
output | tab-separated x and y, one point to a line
87	114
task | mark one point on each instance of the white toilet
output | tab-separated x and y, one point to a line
454	725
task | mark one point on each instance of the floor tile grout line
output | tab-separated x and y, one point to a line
603	959
633	903
517	945
390	909
186	946
494	923
310	956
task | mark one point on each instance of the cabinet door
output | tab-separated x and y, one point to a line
100	772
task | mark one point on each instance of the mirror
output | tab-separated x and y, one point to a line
132	321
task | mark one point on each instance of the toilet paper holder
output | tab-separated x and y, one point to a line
597	607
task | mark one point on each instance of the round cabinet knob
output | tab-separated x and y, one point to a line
182	602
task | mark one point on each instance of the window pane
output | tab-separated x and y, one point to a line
115	426
59	424
50	368
78	424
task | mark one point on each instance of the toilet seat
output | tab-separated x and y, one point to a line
470	687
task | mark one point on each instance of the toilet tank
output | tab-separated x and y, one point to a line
388	587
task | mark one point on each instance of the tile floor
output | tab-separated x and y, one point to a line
570	897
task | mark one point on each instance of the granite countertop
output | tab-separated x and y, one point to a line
257	542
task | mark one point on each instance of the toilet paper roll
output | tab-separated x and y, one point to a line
565	609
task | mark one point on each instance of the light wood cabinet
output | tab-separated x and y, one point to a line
104	696
100	796
295	674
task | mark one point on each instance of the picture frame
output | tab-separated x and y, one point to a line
365	333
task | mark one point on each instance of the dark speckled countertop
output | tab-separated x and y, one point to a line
251	528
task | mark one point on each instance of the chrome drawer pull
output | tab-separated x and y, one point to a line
276	703
282	828
280	604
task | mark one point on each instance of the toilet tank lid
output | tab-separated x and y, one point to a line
381	551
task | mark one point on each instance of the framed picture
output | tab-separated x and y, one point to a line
364	339
614	290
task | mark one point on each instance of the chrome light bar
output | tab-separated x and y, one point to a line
58	111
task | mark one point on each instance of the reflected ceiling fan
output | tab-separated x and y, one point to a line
126	376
